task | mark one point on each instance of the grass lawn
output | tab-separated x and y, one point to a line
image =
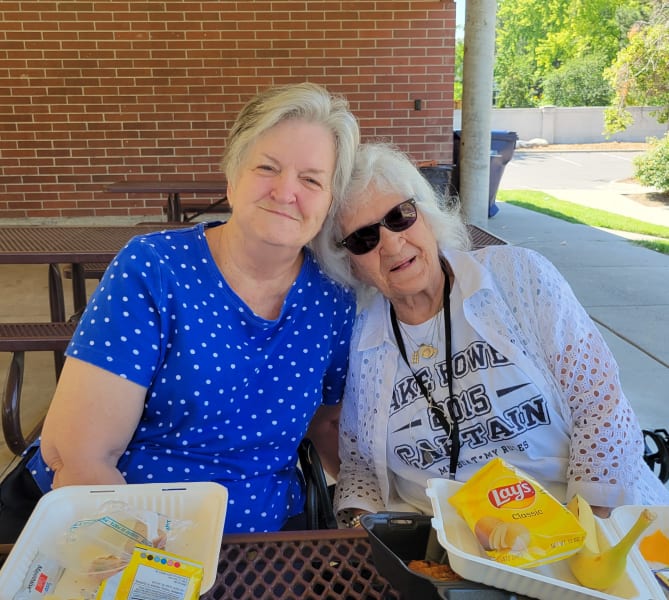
576	213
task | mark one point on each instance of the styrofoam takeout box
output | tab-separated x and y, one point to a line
553	581
201	504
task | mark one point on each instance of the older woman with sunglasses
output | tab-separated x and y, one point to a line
458	357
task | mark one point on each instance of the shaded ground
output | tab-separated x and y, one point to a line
656	199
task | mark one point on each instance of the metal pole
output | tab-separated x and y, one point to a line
479	56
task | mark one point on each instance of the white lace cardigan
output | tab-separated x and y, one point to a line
518	301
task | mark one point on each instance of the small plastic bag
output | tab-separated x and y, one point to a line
103	545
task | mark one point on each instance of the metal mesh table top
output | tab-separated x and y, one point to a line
46	244
332	564
481	237
168	186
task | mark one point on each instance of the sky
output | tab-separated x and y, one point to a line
460	16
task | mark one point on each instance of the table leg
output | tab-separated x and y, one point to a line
57	309
213	205
56	298
79	287
173	207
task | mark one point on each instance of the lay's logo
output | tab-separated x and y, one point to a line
516	495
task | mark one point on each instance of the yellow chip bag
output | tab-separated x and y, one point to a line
516	521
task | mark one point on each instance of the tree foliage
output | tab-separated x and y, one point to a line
458	76
640	73
652	167
536	38
579	82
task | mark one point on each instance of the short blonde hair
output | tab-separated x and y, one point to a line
306	101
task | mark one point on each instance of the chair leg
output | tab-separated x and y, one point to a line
11	405
56	296
11	408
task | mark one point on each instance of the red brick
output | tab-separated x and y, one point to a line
93	92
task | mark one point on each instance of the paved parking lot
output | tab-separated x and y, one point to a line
563	170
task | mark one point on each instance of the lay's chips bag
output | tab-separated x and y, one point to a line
516	521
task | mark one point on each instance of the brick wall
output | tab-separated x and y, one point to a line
96	91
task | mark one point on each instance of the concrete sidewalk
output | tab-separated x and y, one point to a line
624	288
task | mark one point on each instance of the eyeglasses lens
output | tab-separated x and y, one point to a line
365	239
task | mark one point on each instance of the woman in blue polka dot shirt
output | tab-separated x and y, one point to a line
205	352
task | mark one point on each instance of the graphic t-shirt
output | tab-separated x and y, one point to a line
500	412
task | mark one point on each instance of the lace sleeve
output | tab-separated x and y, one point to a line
606	442
357	484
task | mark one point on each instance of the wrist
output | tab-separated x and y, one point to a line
354	521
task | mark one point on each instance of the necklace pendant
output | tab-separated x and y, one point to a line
415	357
427	351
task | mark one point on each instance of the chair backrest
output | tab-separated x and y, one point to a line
320	514
656	452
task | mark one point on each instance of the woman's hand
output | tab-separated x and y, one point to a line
354	520
601	511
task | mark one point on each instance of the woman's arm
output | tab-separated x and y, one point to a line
606	442
358	489
323	431
91	420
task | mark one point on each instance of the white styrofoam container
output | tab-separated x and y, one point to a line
553	581
202	504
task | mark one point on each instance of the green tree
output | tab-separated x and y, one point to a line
579	82
457	80
640	73
537	37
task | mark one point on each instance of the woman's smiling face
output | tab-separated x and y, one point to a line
404	266
283	192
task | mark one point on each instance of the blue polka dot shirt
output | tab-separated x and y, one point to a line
229	394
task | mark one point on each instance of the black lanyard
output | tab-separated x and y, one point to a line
452	427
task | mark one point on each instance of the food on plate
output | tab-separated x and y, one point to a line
433	569
516	521
108	565
655	547
103	545
600	568
495	534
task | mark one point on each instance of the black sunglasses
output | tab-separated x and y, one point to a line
398	218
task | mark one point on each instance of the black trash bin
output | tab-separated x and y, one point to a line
502	147
440	178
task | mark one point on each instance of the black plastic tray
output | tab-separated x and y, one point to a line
396	538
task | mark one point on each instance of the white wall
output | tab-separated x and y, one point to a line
571	125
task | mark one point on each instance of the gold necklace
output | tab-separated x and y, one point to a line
424	350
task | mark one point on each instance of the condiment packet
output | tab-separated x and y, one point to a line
41	578
516	521
154	574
